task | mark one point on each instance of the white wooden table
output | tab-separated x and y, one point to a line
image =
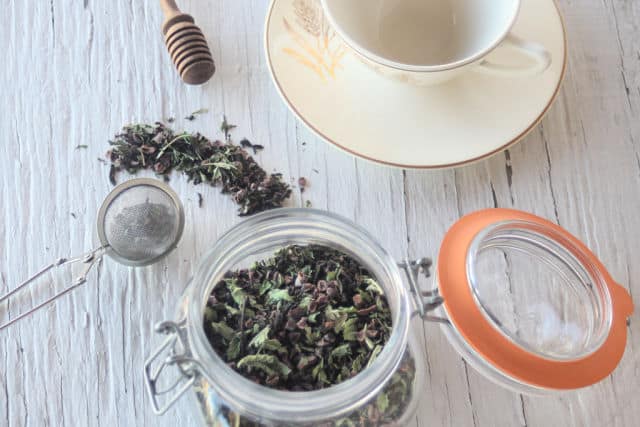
74	72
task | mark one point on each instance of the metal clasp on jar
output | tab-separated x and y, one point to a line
426	301
176	350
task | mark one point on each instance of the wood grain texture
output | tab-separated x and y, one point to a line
75	72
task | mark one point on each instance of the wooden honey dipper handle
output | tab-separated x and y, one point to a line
172	15
186	44
169	8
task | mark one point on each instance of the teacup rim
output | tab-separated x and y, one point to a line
366	53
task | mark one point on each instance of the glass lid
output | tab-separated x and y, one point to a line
534	290
529	301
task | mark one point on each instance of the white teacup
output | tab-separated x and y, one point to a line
430	41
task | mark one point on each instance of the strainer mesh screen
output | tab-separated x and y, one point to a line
141	223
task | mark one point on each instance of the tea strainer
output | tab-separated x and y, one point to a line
139	223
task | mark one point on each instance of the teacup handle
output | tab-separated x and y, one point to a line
538	53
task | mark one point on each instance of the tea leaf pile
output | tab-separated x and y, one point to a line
305	319
159	148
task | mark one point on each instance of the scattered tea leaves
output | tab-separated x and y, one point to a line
81	146
245	143
226	128
193	115
159	148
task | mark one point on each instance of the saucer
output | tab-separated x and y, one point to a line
355	108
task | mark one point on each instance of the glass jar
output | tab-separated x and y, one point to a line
523	301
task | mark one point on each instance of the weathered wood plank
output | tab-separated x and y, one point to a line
92	66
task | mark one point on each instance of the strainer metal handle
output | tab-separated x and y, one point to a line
89	259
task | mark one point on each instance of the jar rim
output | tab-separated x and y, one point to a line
553	246
258	401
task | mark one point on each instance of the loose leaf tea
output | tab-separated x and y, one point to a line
226	128
191	117
159	148
385	409
245	143
302	183
305	319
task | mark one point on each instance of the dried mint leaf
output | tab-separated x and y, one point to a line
265	362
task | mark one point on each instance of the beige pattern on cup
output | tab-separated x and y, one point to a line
317	46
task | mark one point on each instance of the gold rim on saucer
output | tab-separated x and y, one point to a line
326	58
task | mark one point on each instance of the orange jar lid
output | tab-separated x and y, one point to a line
485	335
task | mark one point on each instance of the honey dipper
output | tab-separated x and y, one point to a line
186	44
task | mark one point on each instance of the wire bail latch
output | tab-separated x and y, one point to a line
426	301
